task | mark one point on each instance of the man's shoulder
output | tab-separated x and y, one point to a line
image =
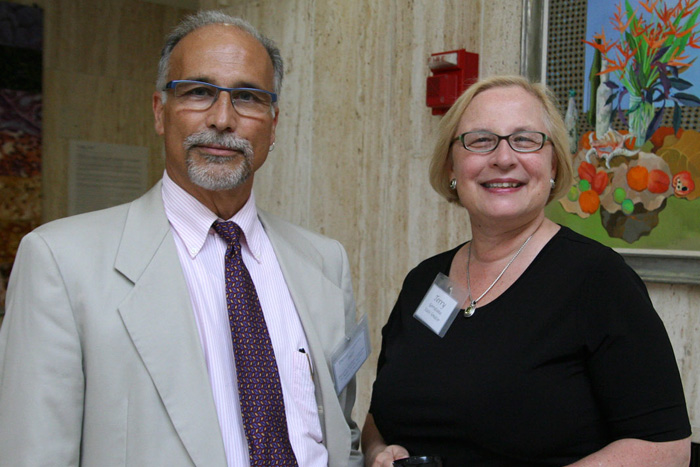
84	239
288	229
99	226
311	244
78	225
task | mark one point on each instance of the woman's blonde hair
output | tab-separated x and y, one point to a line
440	163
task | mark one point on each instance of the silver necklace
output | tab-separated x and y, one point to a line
471	309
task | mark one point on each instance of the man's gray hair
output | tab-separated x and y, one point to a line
206	18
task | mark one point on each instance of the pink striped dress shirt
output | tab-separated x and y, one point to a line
201	253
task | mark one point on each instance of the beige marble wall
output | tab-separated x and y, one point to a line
355	135
100	61
679	308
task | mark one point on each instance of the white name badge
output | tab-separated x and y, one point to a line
349	356
441	304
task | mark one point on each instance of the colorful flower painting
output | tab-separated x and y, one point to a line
637	171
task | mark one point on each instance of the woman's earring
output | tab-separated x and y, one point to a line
272	147
453	184
553	183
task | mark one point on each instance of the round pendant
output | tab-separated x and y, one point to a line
469	311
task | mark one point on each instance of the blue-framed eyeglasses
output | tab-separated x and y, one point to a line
199	95
485	141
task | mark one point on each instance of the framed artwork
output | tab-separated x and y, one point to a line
624	72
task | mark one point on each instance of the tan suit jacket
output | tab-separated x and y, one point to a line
100	357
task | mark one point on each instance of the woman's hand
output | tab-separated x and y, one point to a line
377	453
386	457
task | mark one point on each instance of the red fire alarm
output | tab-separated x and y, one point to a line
453	72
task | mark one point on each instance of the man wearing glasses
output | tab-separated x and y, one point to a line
187	327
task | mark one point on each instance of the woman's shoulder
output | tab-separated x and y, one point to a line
577	246
583	255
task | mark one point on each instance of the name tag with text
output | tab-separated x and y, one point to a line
441	304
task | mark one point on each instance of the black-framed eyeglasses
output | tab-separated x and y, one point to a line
199	95
485	141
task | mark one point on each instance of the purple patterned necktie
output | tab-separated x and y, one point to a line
259	388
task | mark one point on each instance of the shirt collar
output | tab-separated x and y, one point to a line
192	220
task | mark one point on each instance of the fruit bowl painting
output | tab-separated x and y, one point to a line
645	199
637	172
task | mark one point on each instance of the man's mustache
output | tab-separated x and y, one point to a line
228	141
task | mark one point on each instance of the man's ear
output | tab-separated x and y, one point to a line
274	126
158	109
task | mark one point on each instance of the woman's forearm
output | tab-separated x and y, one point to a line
639	453
375	449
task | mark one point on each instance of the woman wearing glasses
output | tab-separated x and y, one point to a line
558	356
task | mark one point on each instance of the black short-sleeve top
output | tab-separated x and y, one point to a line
571	357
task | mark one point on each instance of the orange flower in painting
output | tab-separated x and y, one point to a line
613	66
654	41
649	6
624	54
604	46
676	61
687	9
666	14
679	34
639	29
618	23
693	42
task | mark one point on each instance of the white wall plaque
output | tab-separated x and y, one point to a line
101	175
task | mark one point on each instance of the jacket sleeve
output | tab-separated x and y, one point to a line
41	374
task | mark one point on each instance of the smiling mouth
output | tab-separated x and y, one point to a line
217	152
503	185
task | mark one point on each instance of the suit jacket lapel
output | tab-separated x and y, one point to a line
159	318
317	299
